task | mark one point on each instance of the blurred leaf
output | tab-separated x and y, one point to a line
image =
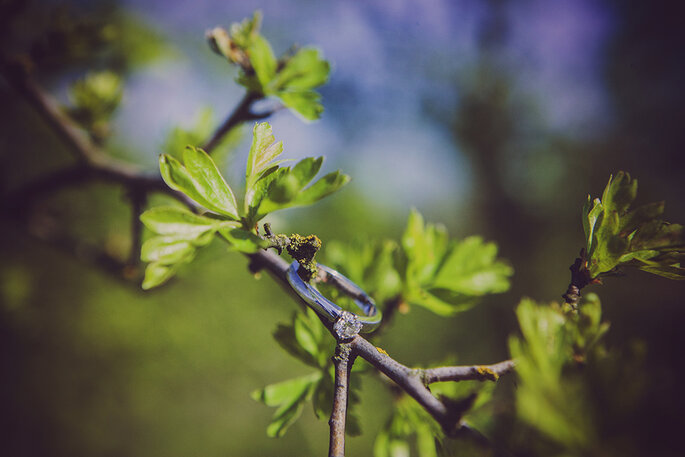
292	79
471	268
166	251
546	399
369	264
94	99
445	276
303	71
307	104
306	339
156	274
295	82
263	60
244	32
289	397
202	129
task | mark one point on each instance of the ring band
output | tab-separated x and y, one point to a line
346	324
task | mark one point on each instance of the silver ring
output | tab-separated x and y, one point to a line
345	324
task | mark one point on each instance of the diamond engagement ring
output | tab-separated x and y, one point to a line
345	324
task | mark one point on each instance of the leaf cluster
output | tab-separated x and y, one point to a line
555	343
618	235
94	98
308	341
426	269
411	427
292	79
269	187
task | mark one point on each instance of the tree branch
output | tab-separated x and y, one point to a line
242	113
95	164
413	381
343	360
467	373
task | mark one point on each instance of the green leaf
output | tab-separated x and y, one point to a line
289	397
307	104
446	277
263	151
548	398
471	268
322	400
201	129
425	246
369	264
285	188
324	187
435	304
212	186
617	236
166	251
590	217
156	274
179	178
305	339
173	220
304	71
263	61
295	82
243	240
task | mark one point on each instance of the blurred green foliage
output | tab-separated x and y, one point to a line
93	367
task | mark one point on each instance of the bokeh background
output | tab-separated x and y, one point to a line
492	117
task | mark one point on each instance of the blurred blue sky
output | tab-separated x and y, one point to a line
394	61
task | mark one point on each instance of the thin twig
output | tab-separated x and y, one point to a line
96	164
413	381
343	361
242	113
468	373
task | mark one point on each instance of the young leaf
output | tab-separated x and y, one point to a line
212	186
181	179
242	240
173	220
618	236
289	397
548	397
156	274
369	264
305	339
307	104
471	268
166	251
447	277
295	82
262	60
263	151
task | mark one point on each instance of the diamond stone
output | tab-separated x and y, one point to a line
347	326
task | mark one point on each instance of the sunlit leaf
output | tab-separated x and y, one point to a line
211	185
618	236
173	220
